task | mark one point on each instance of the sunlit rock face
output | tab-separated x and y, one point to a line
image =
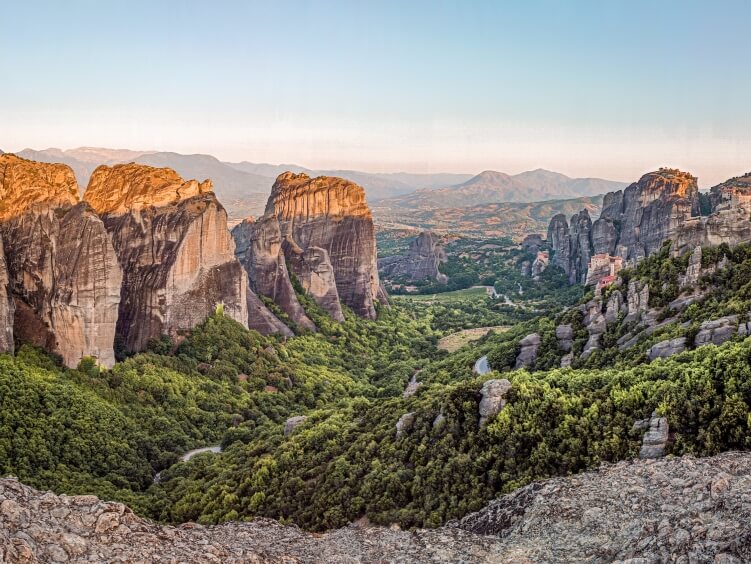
330	214
62	272
258	245
25	183
177	255
652	210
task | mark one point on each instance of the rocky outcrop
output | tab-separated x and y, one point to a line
693	270
405	423
493	398
316	275
663	205
718	331
655	437
637	300
7	306
262	320
25	183
661	510
293	423
559	239
258	246
527	351
664	349
596	326
614	306
174	248
331	214
565	336
61	267
421	262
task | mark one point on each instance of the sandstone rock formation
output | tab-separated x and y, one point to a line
61	265
331	214
493	398
662	205
527	351
25	183
7	307
664	510
421	262
174	248
565	336
258	246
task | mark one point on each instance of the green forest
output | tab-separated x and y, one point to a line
109	432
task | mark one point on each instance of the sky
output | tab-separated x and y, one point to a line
603	88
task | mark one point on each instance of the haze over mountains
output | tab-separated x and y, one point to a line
495	187
243	187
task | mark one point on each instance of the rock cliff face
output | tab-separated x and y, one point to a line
421	262
7	307
258	246
670	509
332	215
61	267
173	245
662	205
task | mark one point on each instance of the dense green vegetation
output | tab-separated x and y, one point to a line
108	432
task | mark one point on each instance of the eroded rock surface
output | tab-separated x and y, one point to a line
174	248
421	262
657	510
493	398
25	183
61	267
527	351
258	246
7	306
331	214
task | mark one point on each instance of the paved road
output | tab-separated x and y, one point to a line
190	454
482	366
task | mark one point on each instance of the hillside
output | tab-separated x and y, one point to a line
487	220
493	187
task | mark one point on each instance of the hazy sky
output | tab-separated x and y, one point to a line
588	88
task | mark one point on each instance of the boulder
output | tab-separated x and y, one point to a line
293	423
664	349
655	438
527	351
405	423
493	398
717	331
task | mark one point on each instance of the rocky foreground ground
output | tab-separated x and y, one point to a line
675	509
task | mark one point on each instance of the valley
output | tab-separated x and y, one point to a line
409	390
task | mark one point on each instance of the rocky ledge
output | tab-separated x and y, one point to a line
674	509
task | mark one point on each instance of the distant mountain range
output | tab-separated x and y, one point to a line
496	187
244	187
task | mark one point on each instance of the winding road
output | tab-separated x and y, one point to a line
190	454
